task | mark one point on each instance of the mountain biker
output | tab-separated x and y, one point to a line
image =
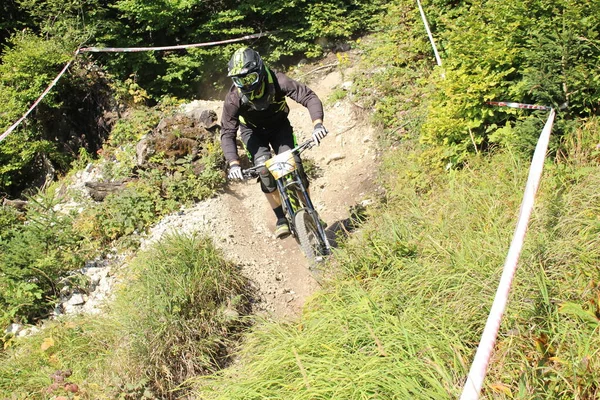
256	104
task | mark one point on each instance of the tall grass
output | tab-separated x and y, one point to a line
403	318
405	314
178	315
183	311
555	353
82	345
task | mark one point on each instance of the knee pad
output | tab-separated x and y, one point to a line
267	182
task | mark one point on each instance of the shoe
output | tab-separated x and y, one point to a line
282	229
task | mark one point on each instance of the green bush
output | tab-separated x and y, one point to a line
35	256
529	52
394	65
26	69
68	117
124	213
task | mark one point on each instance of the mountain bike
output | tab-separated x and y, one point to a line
303	219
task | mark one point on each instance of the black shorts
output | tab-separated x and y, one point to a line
261	141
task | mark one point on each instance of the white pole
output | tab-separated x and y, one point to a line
437	56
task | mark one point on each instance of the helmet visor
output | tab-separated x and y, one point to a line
245	81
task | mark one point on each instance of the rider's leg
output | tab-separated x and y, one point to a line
273	199
259	149
269	188
282	228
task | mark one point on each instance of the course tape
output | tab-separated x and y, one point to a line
121	50
519	105
179	47
480	363
34	105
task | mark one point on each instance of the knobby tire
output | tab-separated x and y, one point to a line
312	244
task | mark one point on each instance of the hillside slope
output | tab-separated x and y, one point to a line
241	223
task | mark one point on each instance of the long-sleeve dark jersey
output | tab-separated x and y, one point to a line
235	112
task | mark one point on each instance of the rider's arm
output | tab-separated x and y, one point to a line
229	127
302	94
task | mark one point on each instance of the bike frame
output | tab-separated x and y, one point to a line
293	193
290	187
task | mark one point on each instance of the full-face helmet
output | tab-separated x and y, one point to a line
247	70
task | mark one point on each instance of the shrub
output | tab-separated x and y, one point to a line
183	311
543	56
34	257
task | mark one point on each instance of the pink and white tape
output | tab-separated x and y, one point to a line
121	50
478	370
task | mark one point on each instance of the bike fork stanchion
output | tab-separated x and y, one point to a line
286	202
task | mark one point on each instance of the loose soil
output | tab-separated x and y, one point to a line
241	223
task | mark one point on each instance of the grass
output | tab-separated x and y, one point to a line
82	345
401	318
184	311
179	315
404	315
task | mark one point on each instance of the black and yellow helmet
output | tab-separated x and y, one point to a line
247	70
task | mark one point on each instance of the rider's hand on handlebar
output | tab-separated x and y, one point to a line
235	172
319	133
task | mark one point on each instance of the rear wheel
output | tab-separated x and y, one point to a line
313	244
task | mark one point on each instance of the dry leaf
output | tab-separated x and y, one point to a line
47	343
501	388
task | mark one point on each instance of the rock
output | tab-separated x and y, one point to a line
76	299
181	136
71	387
20	205
13	329
206	118
99	190
28	331
202	112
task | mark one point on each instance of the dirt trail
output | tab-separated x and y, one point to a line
241	222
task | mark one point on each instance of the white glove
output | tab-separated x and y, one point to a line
319	133
235	172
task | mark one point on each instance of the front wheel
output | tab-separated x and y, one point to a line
312	239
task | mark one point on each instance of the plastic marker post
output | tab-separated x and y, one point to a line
519	105
437	56
478	369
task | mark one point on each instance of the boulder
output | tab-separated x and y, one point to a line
178	136
99	190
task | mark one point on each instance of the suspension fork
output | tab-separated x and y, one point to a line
303	196
285	200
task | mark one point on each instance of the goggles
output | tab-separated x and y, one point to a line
245	80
